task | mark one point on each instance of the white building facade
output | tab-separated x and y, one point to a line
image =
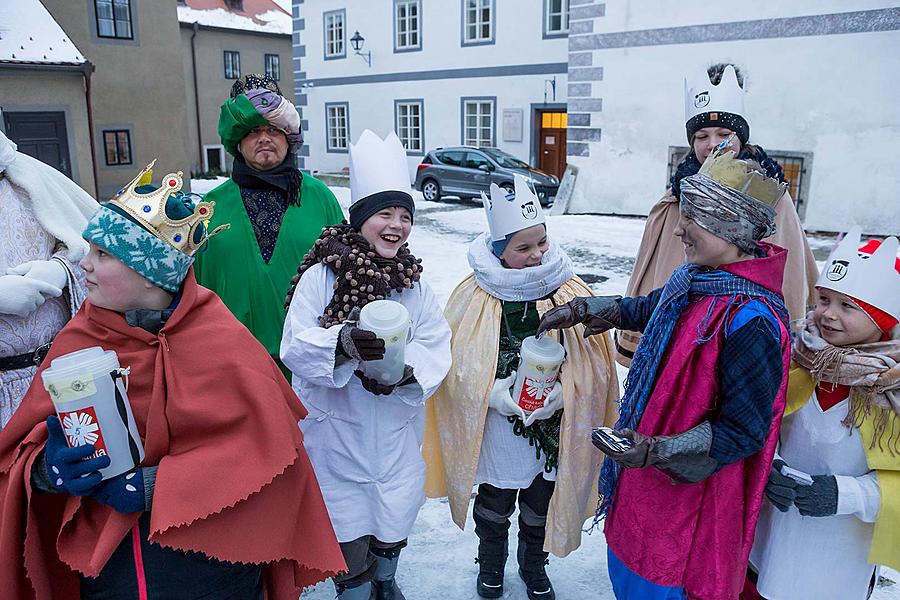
439	72
822	89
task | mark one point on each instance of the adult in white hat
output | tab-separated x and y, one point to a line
42	214
478	434
715	111
363	436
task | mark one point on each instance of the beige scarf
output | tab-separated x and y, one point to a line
872	371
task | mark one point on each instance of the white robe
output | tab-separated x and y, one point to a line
820	558
365	449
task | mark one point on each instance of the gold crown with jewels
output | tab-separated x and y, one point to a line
149	210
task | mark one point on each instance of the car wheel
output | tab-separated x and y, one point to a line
431	190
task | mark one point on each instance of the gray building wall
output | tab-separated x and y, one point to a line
210	45
138	85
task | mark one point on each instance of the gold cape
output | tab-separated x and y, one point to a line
455	414
886	539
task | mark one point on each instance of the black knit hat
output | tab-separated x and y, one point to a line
364	208
735	123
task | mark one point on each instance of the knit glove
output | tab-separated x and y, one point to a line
552	403
780	490
501	398
356	343
599	314
124	493
374	386
48	271
66	468
819	499
21	296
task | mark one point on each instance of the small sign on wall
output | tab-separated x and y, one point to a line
513	119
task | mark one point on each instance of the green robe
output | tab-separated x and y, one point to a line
233	267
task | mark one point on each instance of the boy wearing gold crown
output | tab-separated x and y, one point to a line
478	435
715	112
225	502
704	396
836	479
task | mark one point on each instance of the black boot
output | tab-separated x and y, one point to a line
530	553
491	512
384	585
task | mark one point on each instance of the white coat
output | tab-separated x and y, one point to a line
365	449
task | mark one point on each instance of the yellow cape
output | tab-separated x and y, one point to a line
886	539
455	414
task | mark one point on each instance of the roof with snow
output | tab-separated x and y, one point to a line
30	34
268	16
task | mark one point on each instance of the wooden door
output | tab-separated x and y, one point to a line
41	135
552	143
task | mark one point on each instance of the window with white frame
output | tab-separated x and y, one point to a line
556	17
478	21
406	24
408	120
232	60
273	66
337	126
478	121
335	34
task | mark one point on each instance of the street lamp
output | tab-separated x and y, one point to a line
357	42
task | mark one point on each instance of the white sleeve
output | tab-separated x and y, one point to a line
428	353
859	496
307	349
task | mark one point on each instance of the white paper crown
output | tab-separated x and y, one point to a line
870	278
377	165
701	96
509	213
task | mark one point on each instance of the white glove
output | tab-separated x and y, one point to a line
21	296
48	271
552	403
501	398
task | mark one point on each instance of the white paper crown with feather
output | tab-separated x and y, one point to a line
377	165
701	96
870	278
509	213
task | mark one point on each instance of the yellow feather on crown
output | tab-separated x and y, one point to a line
150	211
742	175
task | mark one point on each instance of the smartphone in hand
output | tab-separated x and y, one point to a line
609	442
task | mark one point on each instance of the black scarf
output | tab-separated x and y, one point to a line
285	177
690	165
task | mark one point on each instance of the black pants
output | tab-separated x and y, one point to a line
360	558
494	506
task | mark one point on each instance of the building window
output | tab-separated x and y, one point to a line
478	22
232	64
214	158
408	121
407	20
478	125
335	34
337	126
556	17
273	66
117	144
113	19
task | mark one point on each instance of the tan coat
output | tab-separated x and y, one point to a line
660	253
455	414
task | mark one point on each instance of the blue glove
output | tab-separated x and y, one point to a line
124	493
66	468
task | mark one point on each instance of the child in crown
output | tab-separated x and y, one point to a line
827	527
479	435
225	502
364	434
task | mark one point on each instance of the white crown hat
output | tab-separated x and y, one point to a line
377	165
509	213
870	278
701	96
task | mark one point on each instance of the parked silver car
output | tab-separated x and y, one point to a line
465	171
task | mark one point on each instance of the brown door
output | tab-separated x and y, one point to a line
41	135
552	143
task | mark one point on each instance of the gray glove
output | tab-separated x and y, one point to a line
598	314
780	490
819	499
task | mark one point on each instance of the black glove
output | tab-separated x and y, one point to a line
684	457
780	490
819	499
598	314
379	389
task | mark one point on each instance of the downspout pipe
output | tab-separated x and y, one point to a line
196	29
87	70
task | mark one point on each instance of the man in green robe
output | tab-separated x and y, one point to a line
275	211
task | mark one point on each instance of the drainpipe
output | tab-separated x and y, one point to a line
196	28
87	70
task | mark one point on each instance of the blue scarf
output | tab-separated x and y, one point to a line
685	281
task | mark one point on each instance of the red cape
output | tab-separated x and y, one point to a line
217	416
